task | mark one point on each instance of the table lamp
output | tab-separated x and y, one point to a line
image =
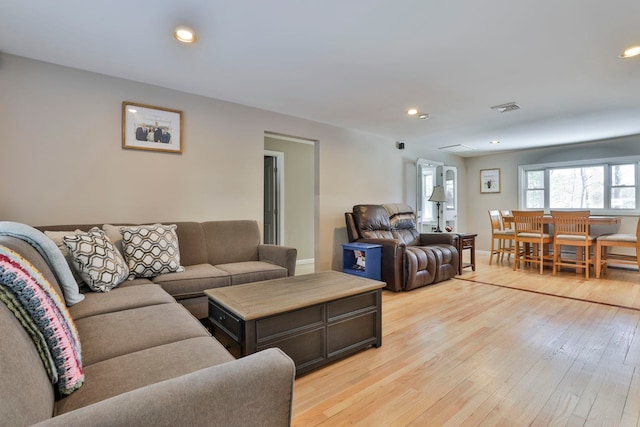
438	196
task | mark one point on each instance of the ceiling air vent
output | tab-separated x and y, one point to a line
503	108
457	148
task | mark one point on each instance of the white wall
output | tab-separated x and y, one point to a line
62	160
478	204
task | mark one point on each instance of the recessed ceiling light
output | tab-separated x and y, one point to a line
412	111
185	35
423	116
494	142
630	52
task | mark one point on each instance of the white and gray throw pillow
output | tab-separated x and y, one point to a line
96	260
151	250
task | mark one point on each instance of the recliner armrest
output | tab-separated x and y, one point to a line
392	261
383	242
427	239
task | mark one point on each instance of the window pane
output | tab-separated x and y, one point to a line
535	179
623	175
576	188
623	198
535	199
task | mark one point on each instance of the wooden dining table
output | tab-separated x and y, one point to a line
593	219
606	221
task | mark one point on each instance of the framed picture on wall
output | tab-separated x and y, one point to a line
145	127
489	180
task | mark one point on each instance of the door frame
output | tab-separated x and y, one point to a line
279	156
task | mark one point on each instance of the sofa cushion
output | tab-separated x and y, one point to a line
105	336
193	247
135	282
371	218
401	216
134	370
113	232
97	261
121	298
231	241
193	280
410	237
151	250
252	271
422	267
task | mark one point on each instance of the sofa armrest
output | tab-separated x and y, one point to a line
427	239
254	390
284	256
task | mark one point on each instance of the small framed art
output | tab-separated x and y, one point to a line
489	180
145	127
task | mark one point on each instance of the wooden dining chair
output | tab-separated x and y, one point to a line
530	239
507	219
501	240
604	242
571	228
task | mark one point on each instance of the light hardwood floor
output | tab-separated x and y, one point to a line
493	347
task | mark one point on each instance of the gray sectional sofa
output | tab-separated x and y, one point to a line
214	254
146	360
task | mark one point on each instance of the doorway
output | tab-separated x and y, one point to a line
290	187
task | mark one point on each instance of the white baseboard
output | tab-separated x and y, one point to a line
305	261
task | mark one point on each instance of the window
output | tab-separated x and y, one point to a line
623	187
603	185
535	189
576	188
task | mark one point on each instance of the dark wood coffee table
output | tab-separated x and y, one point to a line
314	318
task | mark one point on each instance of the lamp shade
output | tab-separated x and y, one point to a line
438	194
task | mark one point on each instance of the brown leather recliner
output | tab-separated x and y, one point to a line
409	259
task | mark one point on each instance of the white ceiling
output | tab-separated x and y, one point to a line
361	64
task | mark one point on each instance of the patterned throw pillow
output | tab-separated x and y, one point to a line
151	250
97	261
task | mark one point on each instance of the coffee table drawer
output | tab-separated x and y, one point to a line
350	305
225	321
289	323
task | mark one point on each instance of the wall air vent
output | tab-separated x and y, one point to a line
503	108
457	148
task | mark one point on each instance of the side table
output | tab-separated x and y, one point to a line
467	241
362	259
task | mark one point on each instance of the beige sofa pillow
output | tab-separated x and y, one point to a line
57	236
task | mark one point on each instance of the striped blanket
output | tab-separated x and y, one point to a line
43	314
